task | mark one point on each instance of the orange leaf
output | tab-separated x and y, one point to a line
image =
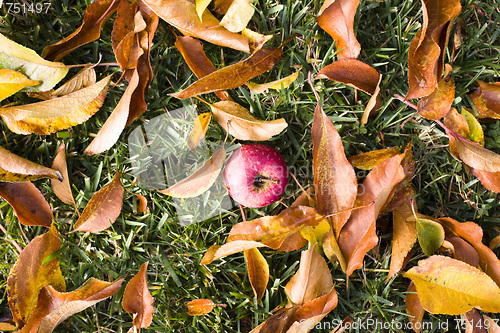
414	308
486	100
258	272
199	129
29	275
438	103
337	19
463	251
220	251
200	307
17	169
473	155
138	300
142	206
28	203
457	123
102	209
62	189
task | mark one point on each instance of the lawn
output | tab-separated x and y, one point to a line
444	186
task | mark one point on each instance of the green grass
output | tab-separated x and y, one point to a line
384	30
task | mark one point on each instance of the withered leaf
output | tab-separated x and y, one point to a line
201	180
17	169
56	114
29	275
28	203
337	19
438	103
486	100
182	15
463	251
138	300
200	307
258	272
276	84
476	133
13	81
472	154
238	15
369	160
84	78
240	123
215	252
374	103
102	209
201	5
62	189
414	308
236	75
199	129
457	123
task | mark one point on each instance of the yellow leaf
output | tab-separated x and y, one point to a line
13	81
448	286
476	133
201	5
199	129
200	307
56	114
238	15
14	168
258	272
277	84
17	57
62	190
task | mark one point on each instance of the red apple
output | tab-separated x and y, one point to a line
255	175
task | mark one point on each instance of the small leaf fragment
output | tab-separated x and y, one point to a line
238	15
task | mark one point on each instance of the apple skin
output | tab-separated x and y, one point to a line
255	175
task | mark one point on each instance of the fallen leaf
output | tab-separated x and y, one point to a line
97	13
258	272
215	252
337	19
137	299
438	103
373	104
13	81
17	169
414	308
53	306
255	40
486	100
199	129
448	286
29	275
369	160
102	209
474	322
201	5
426	52
476	133
62	189
142	205
463	251
240	123
494	243
84	78
201	180
457	123
200	307
116	122
472	154
430	235
28	203
19	58
276	84
236	75
238	15
182	15
358	235
56	114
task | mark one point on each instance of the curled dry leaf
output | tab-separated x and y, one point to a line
238	15
102	209
236	75
373	104
56	114
19	58
201	180
84	78
199	130
426	52
17	169
448	286
414	308
258	272
486	100
241	124
472	154
182	15
138	300
336	17
28	203
430	235
438	103
62	189
29	275
276	84
53	306
369	160
13	81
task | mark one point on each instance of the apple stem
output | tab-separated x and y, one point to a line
242	213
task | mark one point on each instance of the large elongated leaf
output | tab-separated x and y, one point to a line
29	275
449	286
138	300
182	15
56	114
26	61
13	81
241	124
17	169
258	272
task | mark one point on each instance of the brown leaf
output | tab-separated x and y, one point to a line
463	251
200	307
358	235
438	103
241	124
201	180
313	279
335	181
97	13
142	205
137	299
182	15
337	19
192	52
53	307
491	324
353	73
374	103
28	203
114	125
494	243
29	275
486	100
490	180
236	75
474	322
414	308
17	169
102	209
426	53
258	272
62	189
369	160
404	237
